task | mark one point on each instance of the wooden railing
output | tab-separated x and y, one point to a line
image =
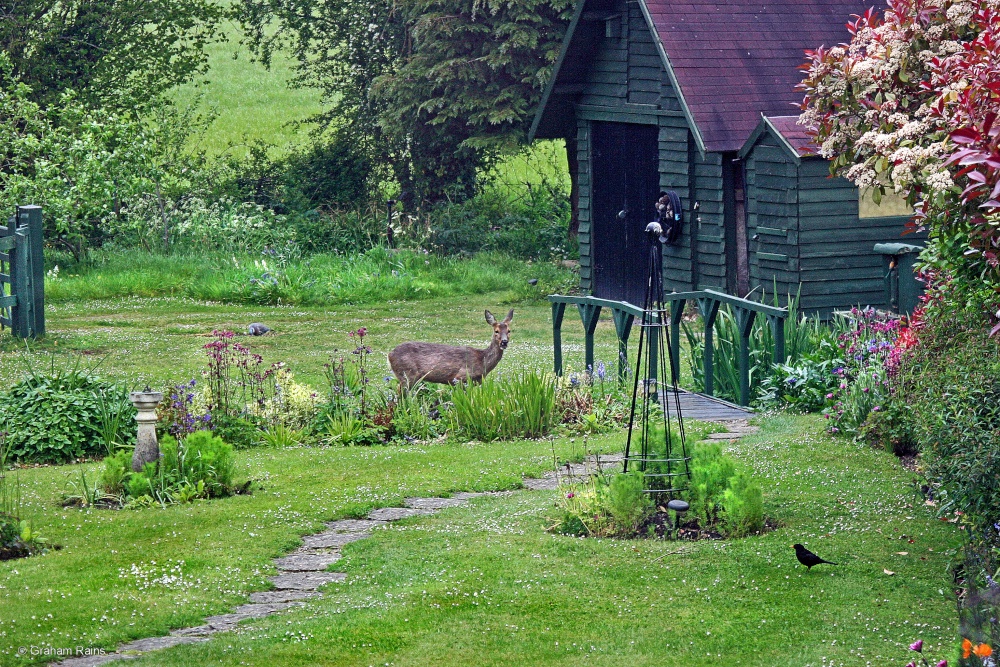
745	312
22	274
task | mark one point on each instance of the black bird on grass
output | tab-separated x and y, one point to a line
808	558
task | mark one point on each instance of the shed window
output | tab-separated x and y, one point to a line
891	205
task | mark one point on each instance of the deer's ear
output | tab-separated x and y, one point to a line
510	316
490	319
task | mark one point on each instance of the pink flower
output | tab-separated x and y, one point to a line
943	663
829	396
570	494
917	646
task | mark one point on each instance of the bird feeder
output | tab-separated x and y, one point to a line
147	449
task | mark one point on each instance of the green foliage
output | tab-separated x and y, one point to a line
800	388
429	89
528	223
711	471
64	414
951	381
808	340
627	503
504	406
115	53
374	277
239	432
199	466
412	414
742	506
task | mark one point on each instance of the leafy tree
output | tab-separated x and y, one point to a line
911	103
118	53
435	88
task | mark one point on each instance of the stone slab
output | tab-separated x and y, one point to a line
434	503
157	643
724	436
307	562
306	581
245	613
196	631
541	484
353	525
396	513
290	595
332	540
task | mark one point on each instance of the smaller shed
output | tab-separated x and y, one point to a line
806	229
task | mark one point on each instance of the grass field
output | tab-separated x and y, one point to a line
485	585
252	103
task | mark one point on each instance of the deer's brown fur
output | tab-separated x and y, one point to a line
448	364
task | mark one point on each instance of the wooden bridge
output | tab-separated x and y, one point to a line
708	302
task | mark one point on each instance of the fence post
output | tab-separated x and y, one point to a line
778	331
709	309
744	322
623	325
558	310
676	313
21	314
590	314
31	216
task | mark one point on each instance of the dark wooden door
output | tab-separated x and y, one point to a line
626	185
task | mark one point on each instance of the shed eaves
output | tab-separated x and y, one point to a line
735	60
794	134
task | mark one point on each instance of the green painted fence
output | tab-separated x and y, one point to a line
22	274
708	303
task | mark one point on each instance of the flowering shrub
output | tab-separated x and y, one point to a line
178	413
591	402
802	387
911	104
871	362
292	406
238	382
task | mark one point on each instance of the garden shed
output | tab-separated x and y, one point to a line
700	97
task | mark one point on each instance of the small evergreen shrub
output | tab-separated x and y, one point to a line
711	471
742	506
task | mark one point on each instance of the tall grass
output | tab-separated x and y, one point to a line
505	407
375	276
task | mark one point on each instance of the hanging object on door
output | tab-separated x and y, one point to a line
670	215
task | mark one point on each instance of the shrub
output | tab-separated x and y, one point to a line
743	506
64	414
504	407
199	466
711	471
627	503
802	387
413	416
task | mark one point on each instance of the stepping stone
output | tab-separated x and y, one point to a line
157	643
353	525
244	613
723	436
306	581
541	484
434	503
330	540
196	631
306	562
396	513
274	597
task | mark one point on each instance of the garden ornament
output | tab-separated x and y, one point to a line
147	449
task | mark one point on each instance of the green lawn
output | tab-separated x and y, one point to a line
479	585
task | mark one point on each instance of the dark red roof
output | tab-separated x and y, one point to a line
796	136
737	59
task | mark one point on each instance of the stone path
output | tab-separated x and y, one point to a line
302	572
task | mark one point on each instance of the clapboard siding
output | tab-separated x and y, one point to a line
584	185
772	219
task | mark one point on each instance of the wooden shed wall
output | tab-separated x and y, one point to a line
838	268
772	183
627	83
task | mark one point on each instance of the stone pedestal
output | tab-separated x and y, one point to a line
147	449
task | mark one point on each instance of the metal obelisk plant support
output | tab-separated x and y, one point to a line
147	449
662	455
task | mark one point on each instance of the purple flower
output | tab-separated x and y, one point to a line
601	371
917	646
876	408
865	389
570	494
943	663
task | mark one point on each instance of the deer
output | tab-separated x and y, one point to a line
450	364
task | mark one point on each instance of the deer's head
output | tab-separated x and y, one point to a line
501	330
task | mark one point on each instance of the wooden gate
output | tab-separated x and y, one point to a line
22	274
